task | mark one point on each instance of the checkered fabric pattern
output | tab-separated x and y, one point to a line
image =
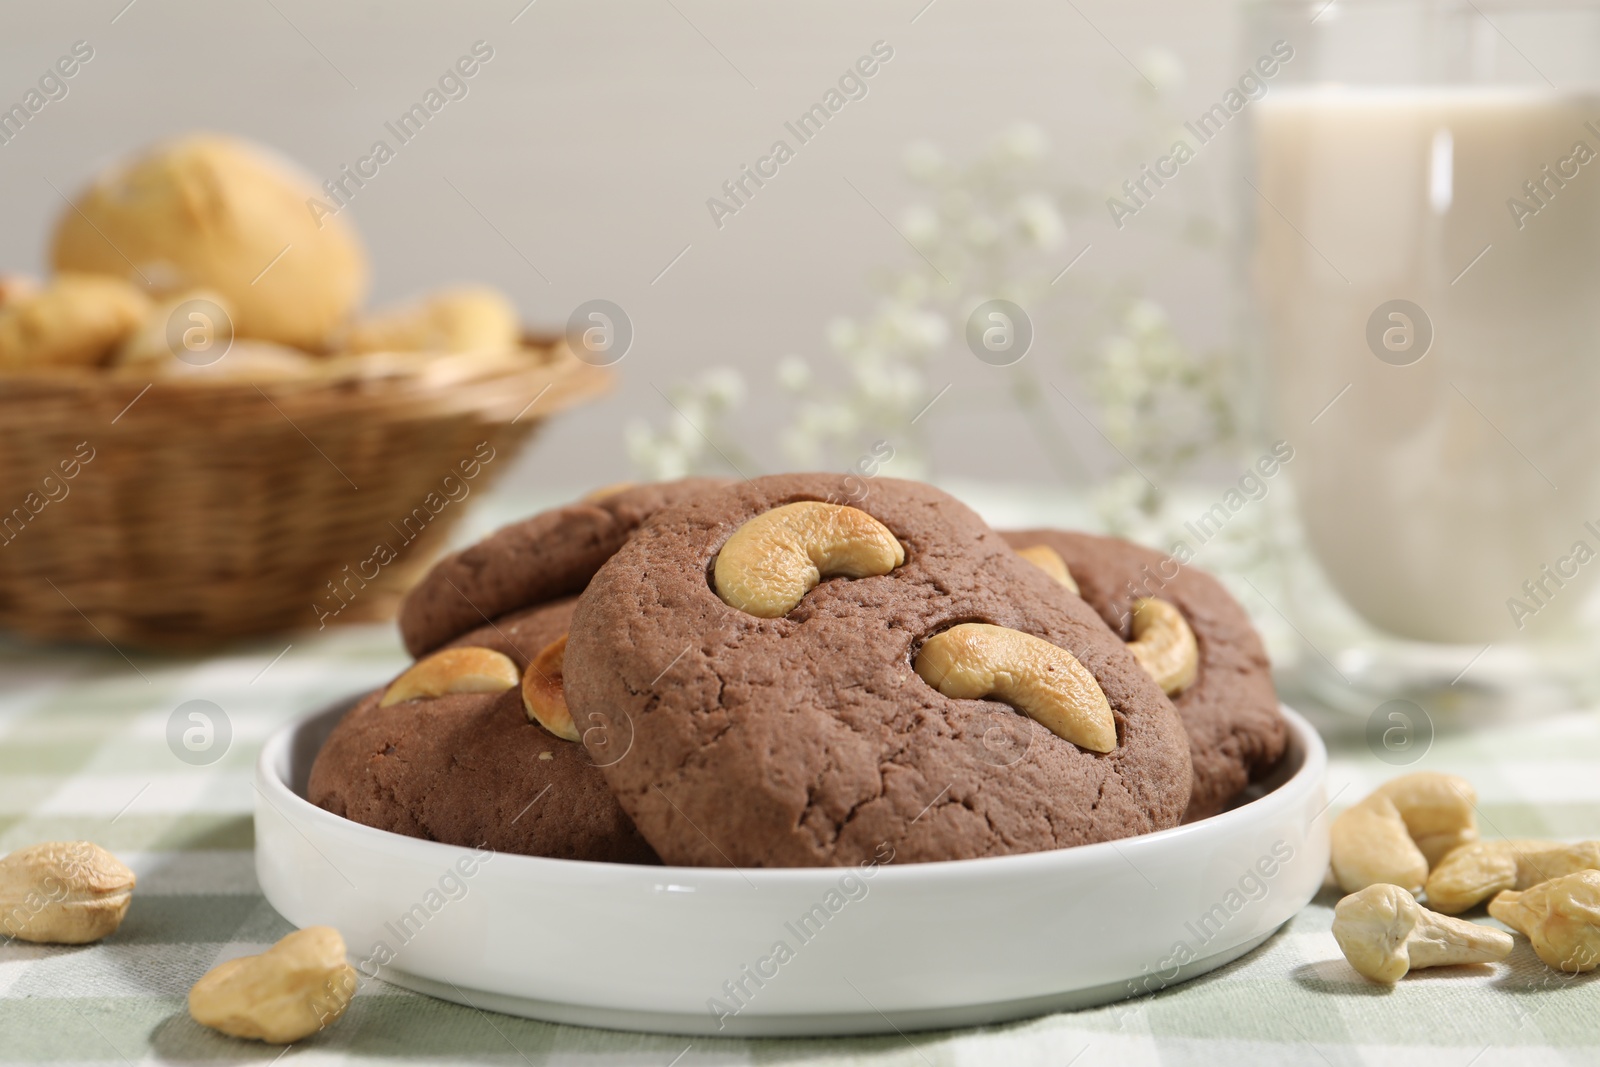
84	753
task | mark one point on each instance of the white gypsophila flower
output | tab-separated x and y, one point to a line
905	387
912	287
843	334
889	326
919	223
1117	501
684	429
1123	377
794	373
1023	141
924	330
671	464
723	388
874	382
640	440
872	349
923	160
1145	316
656	456
1041	224
1163	68
1119	423
838	419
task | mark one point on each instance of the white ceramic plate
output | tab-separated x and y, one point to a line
793	951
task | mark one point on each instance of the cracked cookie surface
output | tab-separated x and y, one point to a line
538	559
1236	731
809	739
470	769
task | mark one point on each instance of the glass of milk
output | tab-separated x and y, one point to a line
1423	213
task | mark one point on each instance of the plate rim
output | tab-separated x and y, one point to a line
276	791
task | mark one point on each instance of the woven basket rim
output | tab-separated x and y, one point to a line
495	389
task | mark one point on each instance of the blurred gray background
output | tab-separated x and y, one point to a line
586	148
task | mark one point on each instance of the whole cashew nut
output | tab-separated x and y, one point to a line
453	670
976	660
1369	845
63	893
543	693
1162	641
1474	873
1384	933
1049	560
776	558
1561	917
290	991
1164	645
1438	809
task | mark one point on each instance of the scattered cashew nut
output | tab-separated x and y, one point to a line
543	694
1164	645
290	991
1474	873
1438	810
776	558
1384	933
1049	560
1561	917
1370	846
976	660
454	670
63	892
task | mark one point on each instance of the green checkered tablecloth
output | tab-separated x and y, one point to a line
84	753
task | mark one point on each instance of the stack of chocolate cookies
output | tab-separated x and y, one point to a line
776	674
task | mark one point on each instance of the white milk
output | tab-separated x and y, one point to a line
1429	514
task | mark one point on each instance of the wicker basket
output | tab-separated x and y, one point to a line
187	513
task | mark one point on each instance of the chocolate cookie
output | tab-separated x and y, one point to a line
470	769
1236	732
810	738
553	554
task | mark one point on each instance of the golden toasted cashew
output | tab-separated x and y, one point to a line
543	693
472	318
454	670
14	287
1369	846
74	321
63	892
776	558
1049	560
1047	683
1384	933
1438	810
1561	917
1474	873
290	991
1164	645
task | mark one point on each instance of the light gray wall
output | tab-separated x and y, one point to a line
593	138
